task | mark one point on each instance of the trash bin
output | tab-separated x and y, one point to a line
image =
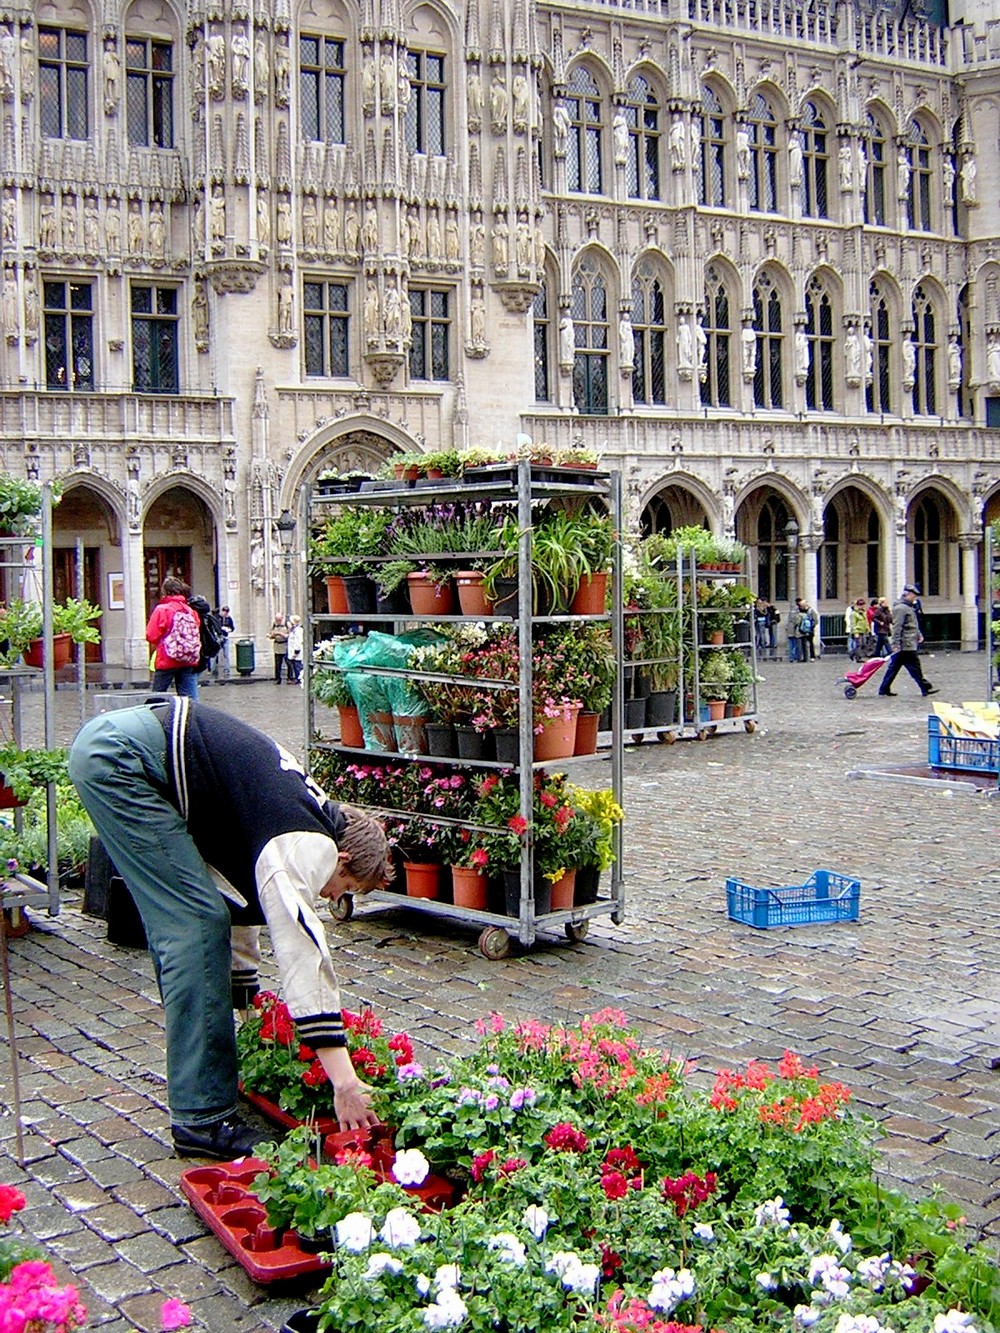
245	659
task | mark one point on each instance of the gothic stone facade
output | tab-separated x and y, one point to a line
747	251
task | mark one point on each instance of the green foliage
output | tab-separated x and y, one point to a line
21	624
21	503
24	770
347	541
30	847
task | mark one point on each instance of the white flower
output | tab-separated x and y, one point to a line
826	1272
400	1229
536	1219
574	1275
560	1261
447	1275
511	1250
873	1270
670	1288
772	1213
765	1281
410	1167
955	1321
704	1231
859	1323
382	1263
840	1237
355	1232
804	1315
423	1284
448	1311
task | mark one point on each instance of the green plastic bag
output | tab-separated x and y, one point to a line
382	694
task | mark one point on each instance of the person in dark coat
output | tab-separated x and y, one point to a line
906	639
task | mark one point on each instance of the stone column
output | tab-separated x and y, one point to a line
968	544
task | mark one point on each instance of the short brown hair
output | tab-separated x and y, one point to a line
365	842
173	587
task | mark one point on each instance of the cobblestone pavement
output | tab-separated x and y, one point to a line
902	1006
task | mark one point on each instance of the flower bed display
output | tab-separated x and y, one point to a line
603	1191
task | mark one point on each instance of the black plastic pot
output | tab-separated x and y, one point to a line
395	603
441	740
302	1321
661	708
635	714
508	745
512	893
360	592
474	744
588	879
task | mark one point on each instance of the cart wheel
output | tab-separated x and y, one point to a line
494	943
703	735
16	922
343	908
850	691
666	737
750	725
577	930
638	737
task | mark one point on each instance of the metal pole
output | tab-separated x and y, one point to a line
81	648
287	556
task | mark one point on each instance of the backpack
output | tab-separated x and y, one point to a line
182	642
806	625
211	635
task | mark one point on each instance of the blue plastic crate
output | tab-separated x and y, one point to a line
825	896
973	754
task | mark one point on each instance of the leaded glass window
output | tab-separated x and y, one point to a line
710	163
584	145
589	312
820	339
649	333
762	127
716	337
326	328
815	163
322	75
768	380
642	166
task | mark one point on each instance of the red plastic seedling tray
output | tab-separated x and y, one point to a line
222	1197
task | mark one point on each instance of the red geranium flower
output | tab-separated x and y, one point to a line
11	1201
566	1138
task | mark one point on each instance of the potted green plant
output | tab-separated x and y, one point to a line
21	629
21	503
714	675
343	548
741	681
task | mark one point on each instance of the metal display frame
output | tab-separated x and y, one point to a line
524	484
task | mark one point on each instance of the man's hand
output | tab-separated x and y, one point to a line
351	1097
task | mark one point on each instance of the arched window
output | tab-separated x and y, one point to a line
918	156
829	555
541	326
642	166
875	145
716	337
762	126
586	129
815	163
710	162
879	367
772	550
927	546
649	329
925	347
656	517
768	380
425	109
589	312
819	335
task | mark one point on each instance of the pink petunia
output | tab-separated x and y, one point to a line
174	1314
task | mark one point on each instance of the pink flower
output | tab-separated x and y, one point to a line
11	1201
174	1314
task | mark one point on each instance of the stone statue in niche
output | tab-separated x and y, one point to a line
869	345
742	153
619	137
477	245
434	244
282	71
567	341
478	322
498	103
285	300
387	80
30	305
215	48
993	358
748	343
263	221
801	354
241	61
678	144
501	244
112	77
968	179
91	226
136	229
524	248
948	179
685	346
560	128
331	226
217	216
701	339
845	165
199	315
310	223
8	59
261	67
452	240
474	98
113	227
795	160
909	362
852	354
283	227
522	101
11	326
69	221
352	232
626	342
954	363
157	231
369	232
47	224
903	173
393	314
372	322
27	67
9	219
369	77
414	235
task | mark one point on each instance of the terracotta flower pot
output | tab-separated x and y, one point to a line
383	731
423	879
62	648
350	727
717	636
336	596
8	801
411	734
471	599
590	596
562	891
557	738
716	709
428	598
586	733
469	887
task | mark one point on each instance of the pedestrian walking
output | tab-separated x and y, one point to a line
278	634
293	651
215	828
857	631
906	639
806	624
173	632
882	627
228	626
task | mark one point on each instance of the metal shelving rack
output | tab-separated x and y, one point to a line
522	484
689	574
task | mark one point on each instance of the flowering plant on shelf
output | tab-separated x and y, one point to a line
31	1298
276	1065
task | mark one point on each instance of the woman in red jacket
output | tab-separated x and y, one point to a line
174	634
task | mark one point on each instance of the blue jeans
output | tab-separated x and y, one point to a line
118	764
184	678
